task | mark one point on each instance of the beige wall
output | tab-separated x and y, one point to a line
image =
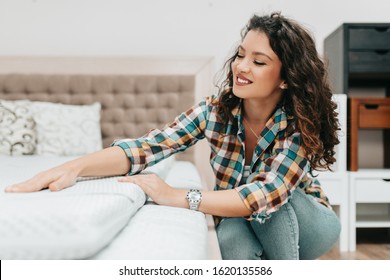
155	27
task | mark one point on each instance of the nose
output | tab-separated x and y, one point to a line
242	66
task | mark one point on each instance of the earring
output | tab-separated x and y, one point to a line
283	86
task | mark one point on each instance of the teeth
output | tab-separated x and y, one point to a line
242	81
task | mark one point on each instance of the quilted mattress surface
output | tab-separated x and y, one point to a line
164	233
71	224
97	218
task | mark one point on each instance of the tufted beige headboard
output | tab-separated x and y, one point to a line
136	94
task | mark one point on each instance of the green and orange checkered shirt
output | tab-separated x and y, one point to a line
278	164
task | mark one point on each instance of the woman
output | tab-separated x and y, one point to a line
272	123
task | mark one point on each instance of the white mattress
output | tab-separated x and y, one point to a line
161	232
98	218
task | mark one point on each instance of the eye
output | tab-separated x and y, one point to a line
239	56
259	63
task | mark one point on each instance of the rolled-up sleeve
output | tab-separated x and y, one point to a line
271	186
157	144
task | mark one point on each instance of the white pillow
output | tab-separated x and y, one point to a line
67	130
17	128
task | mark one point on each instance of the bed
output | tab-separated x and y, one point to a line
98	218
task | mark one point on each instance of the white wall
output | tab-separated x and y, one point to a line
159	27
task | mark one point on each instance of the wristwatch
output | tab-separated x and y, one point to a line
194	198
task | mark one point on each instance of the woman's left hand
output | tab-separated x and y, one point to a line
153	186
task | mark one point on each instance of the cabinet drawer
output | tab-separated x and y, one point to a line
374	115
370	38
372	190
375	61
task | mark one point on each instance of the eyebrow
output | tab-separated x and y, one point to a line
255	53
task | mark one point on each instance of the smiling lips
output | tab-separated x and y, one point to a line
242	81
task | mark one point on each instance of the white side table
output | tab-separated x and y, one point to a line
371	186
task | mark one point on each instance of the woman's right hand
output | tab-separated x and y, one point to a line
55	179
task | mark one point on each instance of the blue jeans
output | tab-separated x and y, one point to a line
300	229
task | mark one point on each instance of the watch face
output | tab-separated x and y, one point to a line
194	196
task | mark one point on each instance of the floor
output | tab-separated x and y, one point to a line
372	244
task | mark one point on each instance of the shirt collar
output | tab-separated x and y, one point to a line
237	111
237	115
278	122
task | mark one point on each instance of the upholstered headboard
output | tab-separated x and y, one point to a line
136	94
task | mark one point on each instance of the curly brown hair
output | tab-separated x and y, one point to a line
308	97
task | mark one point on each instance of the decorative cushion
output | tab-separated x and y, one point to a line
67	130
17	128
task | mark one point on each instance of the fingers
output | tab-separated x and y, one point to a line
51	180
60	184
127	179
152	185
145	182
137	179
26	186
130	179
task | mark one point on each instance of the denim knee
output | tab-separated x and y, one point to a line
319	226
279	235
237	240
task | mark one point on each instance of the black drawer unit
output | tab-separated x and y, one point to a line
358	54
371	37
377	62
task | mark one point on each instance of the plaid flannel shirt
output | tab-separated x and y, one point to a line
278	165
